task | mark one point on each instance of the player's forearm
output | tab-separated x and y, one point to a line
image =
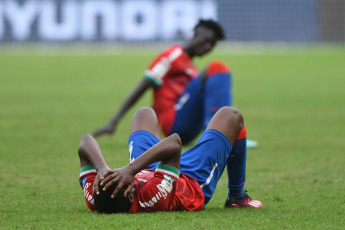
126	105
90	150
168	150
131	100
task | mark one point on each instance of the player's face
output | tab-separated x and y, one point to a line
204	41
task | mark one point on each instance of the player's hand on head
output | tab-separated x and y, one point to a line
122	176
107	129
99	178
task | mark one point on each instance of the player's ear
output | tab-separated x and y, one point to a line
131	197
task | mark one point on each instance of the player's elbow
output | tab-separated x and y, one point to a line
84	140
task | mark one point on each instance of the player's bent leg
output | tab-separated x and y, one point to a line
236	167
217	79
144	133
228	121
205	161
217	85
203	97
146	119
189	118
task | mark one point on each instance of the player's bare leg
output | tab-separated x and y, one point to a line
146	119
229	121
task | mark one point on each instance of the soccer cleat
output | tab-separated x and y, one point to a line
246	201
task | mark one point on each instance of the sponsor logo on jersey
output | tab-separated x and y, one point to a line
142	180
164	188
160	68
167	183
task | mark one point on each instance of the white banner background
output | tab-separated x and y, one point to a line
105	20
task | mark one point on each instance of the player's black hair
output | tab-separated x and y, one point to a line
212	25
105	204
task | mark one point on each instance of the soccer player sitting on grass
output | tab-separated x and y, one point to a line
158	177
183	99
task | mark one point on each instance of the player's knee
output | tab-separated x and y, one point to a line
217	67
233	116
145	112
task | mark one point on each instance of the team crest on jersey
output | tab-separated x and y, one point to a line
167	183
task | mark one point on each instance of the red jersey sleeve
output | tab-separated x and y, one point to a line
87	176
163	64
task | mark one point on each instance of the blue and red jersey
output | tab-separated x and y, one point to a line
171	71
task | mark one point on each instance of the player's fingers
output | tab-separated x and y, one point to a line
107	180
128	190
95	187
109	175
110	183
95	183
117	189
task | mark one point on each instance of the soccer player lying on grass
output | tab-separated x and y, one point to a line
184	100
158	177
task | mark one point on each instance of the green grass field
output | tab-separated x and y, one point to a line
293	103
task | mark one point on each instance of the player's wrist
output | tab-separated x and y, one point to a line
102	167
132	170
